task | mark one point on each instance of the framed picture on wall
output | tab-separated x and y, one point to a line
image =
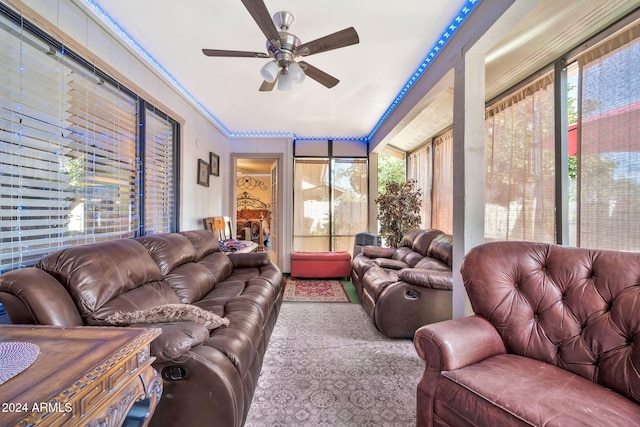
214	164
203	173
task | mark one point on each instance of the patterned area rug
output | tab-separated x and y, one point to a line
314	290
327	365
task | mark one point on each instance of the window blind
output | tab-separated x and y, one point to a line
609	144
159	181
520	181
442	208
70	152
419	170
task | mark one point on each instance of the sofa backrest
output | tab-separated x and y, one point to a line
575	308
415	245
108	276
441	248
191	262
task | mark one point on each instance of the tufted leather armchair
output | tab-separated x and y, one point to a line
555	341
404	288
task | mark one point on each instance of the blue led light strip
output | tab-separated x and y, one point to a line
431	56
438	46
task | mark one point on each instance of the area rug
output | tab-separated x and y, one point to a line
312	290
327	365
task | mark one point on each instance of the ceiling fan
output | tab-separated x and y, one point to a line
284	47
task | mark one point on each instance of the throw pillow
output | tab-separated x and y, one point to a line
168	313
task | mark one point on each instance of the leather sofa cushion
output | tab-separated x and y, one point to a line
428	263
146	296
96	273
393	264
169	250
377	252
407	255
176	256
176	339
556	397
202	242
422	242
441	247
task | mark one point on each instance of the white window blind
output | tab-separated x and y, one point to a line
520	186
609	148
69	163
159	200
100	161
419	170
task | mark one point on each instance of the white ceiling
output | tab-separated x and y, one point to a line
394	37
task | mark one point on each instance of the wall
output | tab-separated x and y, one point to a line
69	23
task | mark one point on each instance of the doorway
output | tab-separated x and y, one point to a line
256	195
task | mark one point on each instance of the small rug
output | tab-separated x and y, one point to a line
314	290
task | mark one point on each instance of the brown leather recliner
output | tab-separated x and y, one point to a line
555	341
209	376
404	288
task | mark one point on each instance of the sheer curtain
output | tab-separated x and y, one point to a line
442	209
419	169
609	154
520	184
349	198
311	205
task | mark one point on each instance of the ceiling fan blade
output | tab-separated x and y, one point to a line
318	75
234	53
267	87
343	38
260	14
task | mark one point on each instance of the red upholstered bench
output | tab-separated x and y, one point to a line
320	264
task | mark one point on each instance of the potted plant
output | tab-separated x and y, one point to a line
398	210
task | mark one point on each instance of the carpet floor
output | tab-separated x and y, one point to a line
314	290
327	365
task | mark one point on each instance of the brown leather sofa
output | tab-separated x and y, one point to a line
209	376
404	288
555	341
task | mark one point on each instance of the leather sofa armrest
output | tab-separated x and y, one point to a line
248	260
378	252
34	296
392	264
176	339
452	344
427	278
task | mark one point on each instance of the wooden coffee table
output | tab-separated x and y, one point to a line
82	376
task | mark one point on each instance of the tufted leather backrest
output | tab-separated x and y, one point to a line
578	309
178	259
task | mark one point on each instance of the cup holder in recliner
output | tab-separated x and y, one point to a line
174	373
411	294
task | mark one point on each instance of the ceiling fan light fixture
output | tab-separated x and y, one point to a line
270	71
296	73
284	81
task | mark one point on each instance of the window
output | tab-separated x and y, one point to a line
330	201
609	145
442	208
159	173
70	150
520	183
419	170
